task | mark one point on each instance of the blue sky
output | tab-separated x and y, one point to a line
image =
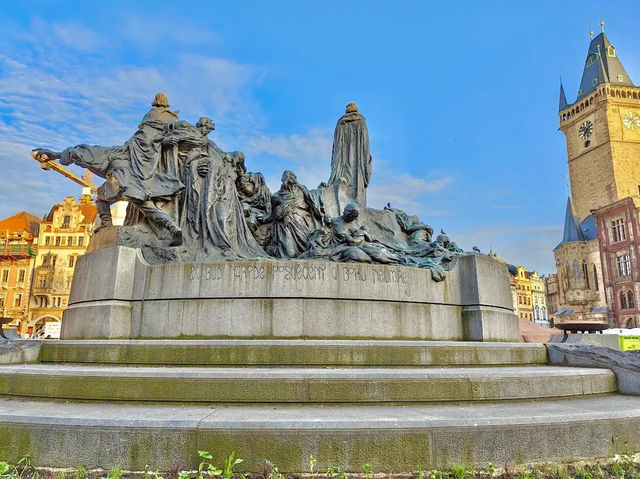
460	97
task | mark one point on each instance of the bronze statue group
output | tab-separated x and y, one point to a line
197	203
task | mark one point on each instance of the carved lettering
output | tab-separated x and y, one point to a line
248	272
194	274
298	272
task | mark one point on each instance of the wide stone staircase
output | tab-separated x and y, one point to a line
394	404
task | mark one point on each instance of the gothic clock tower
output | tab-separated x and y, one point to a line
602	130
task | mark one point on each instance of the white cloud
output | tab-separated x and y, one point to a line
531	246
308	156
407	192
76	36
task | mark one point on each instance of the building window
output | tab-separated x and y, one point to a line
66	221
623	300
5	275
617	230
2	302
21	275
69	240
47	239
585	274
57	240
620	78
17	300
72	261
80	240
42	281
595	277
611	51
624	265
630	300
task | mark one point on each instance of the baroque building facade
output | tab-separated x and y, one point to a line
18	235
528	291
63	238
602	132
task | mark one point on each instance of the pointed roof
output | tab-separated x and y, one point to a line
572	230
602	66
19	222
563	98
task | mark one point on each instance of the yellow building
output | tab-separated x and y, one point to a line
524	308
528	293
64	236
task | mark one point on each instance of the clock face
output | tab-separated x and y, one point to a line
585	130
631	120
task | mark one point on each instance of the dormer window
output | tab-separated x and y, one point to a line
620	78
591	59
611	51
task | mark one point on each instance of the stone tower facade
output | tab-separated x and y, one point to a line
602	131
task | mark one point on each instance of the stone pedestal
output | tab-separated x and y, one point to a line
116	294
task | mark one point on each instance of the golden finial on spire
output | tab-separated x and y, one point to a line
590	30
601	23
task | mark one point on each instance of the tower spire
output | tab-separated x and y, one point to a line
572	231
602	65
563	98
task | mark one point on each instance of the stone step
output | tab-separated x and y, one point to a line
390	438
293	352
299	385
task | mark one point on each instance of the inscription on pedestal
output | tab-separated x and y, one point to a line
298	274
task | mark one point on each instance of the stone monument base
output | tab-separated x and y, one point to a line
117	294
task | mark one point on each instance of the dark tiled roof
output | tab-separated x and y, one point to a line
563	98
589	229
575	231
602	66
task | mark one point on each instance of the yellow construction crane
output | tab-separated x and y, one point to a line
50	164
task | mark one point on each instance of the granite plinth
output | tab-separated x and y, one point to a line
116	294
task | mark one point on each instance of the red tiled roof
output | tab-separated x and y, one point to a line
89	211
22	221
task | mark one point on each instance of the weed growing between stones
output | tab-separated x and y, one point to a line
620	467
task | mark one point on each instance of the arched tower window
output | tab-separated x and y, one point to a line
585	274
595	277
576	271
630	300
623	300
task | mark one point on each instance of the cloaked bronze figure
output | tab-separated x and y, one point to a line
131	170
